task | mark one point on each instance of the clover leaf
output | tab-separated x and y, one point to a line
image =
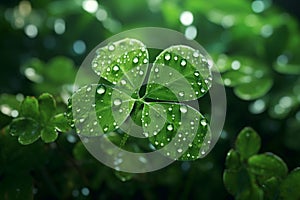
38	119
119	101
250	80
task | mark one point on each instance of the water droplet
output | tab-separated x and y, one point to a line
183	109
88	89
105	129
179	150
141	73
202	152
111	47
167	57
181	94
170	127
196	54
196	73
203	122
101	89
145	61
123	82
116	68
117	102
156	70
175	58
146	134
135	60
170	108
81	120
183	63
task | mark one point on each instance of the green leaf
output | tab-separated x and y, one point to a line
61	123
27	129
289	188
29	108
267	165
292	69
253	90
179	73
271	188
254	192
47	107
233	160
236	182
176	129
123	176
248	143
235	78
100	105
49	134
124	62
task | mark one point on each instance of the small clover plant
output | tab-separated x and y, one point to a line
249	175
37	119
155	97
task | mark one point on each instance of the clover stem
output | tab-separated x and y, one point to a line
124	139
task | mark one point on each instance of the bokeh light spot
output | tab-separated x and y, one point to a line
79	47
191	32
90	6
186	18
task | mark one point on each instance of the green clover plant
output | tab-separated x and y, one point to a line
38	119
132	93
249	175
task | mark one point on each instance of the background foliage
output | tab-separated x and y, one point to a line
254	44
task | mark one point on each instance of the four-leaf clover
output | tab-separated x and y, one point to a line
132	93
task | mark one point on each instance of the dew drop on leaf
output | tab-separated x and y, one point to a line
170	127
183	109
135	60
203	122
196	73
101	89
88	89
183	63
123	82
117	102
196	54
105	129
111	47
167	57
116	68
179	150
181	94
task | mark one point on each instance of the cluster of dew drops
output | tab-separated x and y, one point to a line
107	55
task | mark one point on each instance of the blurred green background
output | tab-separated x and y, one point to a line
255	45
